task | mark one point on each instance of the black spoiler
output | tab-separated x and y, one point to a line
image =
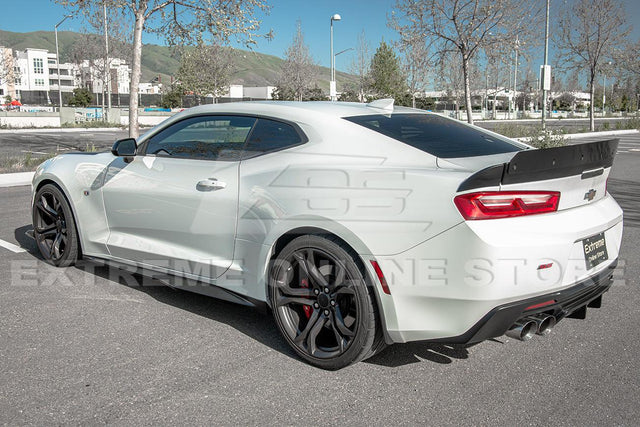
589	160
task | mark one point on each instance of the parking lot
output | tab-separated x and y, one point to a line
88	345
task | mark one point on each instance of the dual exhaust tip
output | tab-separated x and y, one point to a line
524	329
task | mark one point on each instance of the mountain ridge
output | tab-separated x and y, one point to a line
255	69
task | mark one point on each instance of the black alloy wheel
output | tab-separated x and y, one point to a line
54	227
321	302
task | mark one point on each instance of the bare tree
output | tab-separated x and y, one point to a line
589	32
361	65
298	70
180	22
416	63
206	69
465	26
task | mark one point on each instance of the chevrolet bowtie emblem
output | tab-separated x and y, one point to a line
589	195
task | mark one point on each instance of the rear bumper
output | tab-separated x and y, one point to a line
567	301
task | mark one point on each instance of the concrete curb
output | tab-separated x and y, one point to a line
604	133
589	134
60	130
15	179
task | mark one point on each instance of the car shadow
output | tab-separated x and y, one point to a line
415	352
250	322
627	194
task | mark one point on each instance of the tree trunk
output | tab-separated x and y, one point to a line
136	71
467	88
592	122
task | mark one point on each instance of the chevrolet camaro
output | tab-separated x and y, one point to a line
356	225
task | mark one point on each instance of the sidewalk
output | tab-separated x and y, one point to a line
15	179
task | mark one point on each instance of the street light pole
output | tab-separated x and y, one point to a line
55	30
332	83
107	64
544	77
604	90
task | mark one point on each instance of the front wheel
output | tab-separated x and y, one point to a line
54	227
321	302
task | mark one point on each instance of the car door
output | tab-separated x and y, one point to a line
174	205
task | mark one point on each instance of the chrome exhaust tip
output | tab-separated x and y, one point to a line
545	324
523	330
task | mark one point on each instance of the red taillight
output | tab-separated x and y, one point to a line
542	304
505	204
383	281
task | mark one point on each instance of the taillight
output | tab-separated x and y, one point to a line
505	204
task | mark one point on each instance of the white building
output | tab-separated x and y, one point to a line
93	75
32	72
69	74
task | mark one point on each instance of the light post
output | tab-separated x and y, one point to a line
544	76
334	65
332	83
55	30
604	89
515	81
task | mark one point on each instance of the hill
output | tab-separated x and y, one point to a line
254	69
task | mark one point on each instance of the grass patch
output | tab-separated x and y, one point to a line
93	124
533	135
25	163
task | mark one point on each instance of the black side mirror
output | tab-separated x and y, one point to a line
124	147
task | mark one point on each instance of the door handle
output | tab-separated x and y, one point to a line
210	184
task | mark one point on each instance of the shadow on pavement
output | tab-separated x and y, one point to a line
250	322
415	352
26	242
627	194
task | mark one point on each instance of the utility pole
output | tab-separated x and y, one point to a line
545	69
515	82
107	64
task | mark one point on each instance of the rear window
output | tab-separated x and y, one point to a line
436	135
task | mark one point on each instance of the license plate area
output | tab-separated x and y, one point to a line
595	250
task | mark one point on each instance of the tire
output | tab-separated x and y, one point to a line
322	304
54	227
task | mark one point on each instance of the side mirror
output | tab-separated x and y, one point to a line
124	147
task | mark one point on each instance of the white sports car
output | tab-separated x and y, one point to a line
358	225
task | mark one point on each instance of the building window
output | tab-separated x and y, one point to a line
1	92
51	61
38	66
39	82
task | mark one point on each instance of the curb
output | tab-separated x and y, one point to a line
60	130
604	133
15	179
587	134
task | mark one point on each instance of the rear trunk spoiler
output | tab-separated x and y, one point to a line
589	160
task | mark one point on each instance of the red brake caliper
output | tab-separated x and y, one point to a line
304	283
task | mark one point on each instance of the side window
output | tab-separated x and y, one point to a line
203	137
271	135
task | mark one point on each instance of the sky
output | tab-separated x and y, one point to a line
314	15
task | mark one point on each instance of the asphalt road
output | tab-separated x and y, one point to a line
83	346
40	142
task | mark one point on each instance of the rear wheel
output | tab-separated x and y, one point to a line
54	227
321	302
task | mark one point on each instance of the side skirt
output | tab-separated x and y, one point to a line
184	282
